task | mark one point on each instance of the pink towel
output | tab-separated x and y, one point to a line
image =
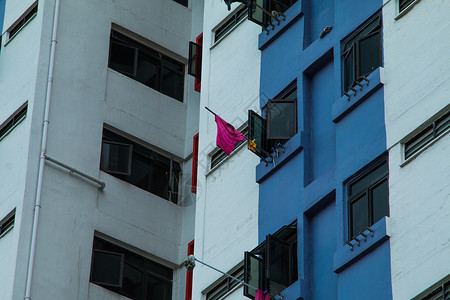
261	296
227	136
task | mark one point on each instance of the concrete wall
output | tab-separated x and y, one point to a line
226	204
86	94
417	87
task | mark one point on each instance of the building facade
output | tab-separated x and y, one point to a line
97	121
323	224
227	195
417	122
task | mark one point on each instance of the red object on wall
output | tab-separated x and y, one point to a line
194	164
189	274
198	82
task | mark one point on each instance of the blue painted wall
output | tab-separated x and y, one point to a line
336	139
2	14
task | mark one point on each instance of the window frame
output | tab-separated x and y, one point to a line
268	5
366	193
21	22
122	261
130	154
262	253
215	291
7	223
229	24
354	49
130	257
404	5
160	60
150	156
15	119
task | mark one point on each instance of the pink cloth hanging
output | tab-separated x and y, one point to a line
227	136
261	296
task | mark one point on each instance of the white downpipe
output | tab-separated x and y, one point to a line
37	205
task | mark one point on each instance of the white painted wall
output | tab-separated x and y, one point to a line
87	94
417	87
227	201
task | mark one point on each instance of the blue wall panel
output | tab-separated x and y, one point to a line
330	151
2	14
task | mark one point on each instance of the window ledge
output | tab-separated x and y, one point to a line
226	158
344	105
406	10
292	15
292	147
6	231
344	256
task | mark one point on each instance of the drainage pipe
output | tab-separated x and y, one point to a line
37	205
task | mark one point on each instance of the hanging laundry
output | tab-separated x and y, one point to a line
227	136
260	295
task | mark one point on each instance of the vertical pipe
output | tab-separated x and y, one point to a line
37	205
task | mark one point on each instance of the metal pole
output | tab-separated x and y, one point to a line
228	275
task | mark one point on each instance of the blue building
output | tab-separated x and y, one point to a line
323	178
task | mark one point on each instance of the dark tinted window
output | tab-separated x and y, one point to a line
146	65
128	273
12	121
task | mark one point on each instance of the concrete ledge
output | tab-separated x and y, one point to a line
345	105
344	256
292	147
292	15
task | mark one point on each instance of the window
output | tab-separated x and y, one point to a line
195	61
146	65
228	25
280	124
428	135
275	7
22	21
129	274
13	120
403	4
140	166
439	290
361	53
368	198
219	155
182	2
272	265
194	164
7	223
225	284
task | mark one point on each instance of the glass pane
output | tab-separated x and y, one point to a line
158	289
161	270
147	70
122	58
115	158
368	179
159	179
278	261
257	132
182	2
107	268
140	173
282	119
253	273
359	211
172	84
369	54
132	282
349	70
195	60
256	14
404	3
380	201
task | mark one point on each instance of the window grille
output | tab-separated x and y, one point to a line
13	120
230	23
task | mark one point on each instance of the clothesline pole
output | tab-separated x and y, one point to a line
210	111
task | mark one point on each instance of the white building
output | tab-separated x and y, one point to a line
226	222
417	89
123	111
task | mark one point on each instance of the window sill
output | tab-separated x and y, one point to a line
6	231
226	158
292	15
344	256
345	105
406	10
292	147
